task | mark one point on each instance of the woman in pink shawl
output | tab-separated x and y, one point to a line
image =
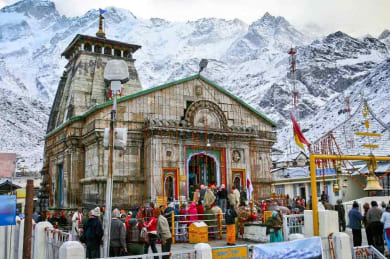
192	213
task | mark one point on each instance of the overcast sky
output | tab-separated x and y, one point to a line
355	17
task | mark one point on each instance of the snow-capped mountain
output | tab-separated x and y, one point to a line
251	61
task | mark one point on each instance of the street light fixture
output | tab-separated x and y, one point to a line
116	73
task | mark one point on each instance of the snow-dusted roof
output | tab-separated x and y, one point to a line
382	167
287	156
291	173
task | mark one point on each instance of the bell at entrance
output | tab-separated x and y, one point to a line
373	184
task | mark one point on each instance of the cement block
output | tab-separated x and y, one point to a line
328	222
71	250
342	245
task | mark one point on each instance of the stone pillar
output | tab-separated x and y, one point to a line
112	51
203	251
72	250
102	50
82	46
93	48
40	246
121	53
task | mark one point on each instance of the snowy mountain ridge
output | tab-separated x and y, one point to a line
251	61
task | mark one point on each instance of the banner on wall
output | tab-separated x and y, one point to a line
7	210
306	248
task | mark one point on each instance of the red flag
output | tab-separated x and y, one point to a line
299	138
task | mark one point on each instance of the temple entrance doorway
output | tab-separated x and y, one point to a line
169	187
202	170
237	183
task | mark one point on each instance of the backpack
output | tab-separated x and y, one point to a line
133	234
143	235
230	216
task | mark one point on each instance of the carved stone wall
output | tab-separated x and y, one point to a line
161	125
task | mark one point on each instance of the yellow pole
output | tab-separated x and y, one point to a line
252	201
313	158
173	227
220	224
314	201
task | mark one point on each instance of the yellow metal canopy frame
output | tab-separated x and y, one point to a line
313	158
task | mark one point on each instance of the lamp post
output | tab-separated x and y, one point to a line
115	73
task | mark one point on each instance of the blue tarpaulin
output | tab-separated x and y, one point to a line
7	210
306	248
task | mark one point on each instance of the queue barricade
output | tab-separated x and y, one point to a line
180	226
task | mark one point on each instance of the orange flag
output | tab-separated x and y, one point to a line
298	136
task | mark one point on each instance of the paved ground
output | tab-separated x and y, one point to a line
222	242
218	243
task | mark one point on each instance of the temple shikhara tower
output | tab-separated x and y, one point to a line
179	135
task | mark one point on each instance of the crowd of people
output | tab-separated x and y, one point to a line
134	232
375	220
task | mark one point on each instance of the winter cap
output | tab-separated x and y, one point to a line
129	213
133	222
96	212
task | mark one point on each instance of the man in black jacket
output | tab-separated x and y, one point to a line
222	197
93	234
341	213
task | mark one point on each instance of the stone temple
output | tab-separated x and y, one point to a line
179	135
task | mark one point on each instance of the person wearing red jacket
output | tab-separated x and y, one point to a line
200	210
192	213
128	217
151	227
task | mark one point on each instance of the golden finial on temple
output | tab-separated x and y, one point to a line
100	33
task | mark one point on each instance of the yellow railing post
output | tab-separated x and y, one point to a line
314	200
173	227
220	224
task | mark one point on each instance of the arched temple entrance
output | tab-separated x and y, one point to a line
170	184
204	166
202	170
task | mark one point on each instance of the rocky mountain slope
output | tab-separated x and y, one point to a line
251	61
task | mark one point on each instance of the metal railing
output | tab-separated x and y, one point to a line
367	252
188	254
180	226
293	224
54	239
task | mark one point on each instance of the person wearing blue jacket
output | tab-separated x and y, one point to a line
355	223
